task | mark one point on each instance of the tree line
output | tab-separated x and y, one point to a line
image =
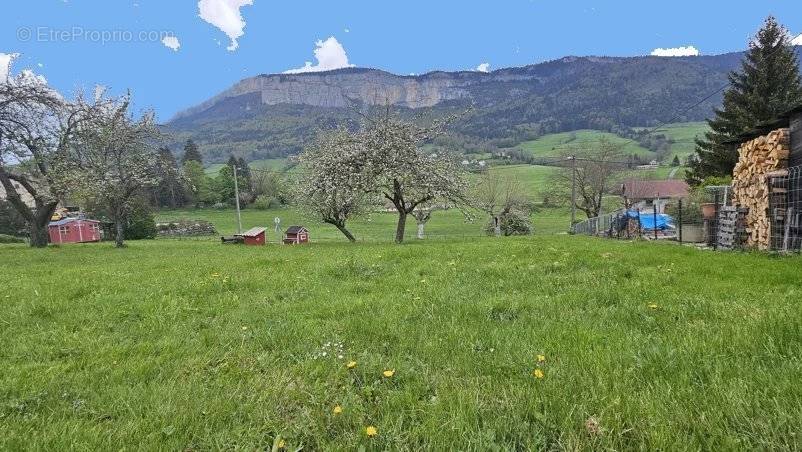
767	85
93	151
185	183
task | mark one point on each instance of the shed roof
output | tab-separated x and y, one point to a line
253	232
780	122
68	220
296	229
649	189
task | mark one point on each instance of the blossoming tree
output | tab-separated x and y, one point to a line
38	128
331	187
392	164
116	159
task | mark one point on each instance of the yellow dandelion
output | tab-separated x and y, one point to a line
281	444
538	373
244	328
389	373
371	431
337	410
541	358
652	305
215	275
351	364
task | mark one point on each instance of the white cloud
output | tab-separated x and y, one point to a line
5	64
171	42
798	40
484	67
676	52
329	54
225	15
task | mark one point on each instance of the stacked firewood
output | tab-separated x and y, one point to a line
759	159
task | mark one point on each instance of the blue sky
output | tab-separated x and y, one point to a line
79	43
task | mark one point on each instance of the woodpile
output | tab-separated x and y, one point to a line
757	160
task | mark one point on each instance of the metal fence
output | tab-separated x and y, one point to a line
784	189
768	217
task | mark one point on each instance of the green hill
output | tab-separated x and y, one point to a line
558	144
683	135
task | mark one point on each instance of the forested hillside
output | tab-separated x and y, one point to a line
272	116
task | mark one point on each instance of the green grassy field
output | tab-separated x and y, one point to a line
684	135
381	226
534	178
268	164
557	144
192	345
378	227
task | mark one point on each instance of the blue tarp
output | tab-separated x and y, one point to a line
647	219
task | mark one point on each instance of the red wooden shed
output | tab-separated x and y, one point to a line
74	230
296	235
254	236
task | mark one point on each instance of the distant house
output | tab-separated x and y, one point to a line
296	235
74	230
648	194
650	166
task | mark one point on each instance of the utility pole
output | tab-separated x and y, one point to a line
573	190
236	200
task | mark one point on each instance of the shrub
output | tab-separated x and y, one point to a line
691	212
264	202
141	223
514	222
10	239
220	206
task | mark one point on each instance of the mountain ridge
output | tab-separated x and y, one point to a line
419	77
274	115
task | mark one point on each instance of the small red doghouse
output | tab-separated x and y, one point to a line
74	230
254	236
296	235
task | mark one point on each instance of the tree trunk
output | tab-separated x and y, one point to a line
119	239
346	232
38	227
173	202
39	235
421	226
402	224
497	226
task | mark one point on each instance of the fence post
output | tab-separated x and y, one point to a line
716	202
679	222
654	218
640	226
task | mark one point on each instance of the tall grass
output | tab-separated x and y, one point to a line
192	345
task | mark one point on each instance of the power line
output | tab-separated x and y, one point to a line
709	96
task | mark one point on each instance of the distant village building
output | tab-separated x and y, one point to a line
648	194
650	166
74	230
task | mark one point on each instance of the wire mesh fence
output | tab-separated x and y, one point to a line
763	214
644	223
